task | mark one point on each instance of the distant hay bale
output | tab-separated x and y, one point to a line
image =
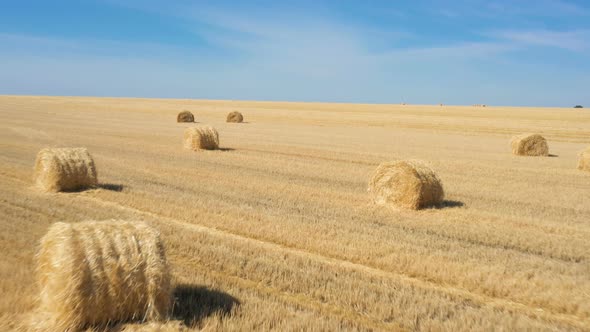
584	162
64	169
235	117
529	145
201	138
406	184
96	273
185	116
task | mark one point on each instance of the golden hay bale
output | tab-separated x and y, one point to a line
185	116
197	138
529	145
584	162
63	169
406	184
100	272
235	117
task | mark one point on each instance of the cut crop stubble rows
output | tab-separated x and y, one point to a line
278	230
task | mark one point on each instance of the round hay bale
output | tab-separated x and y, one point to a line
529	145
64	169
235	117
97	273
185	116
584	162
406	184
201	138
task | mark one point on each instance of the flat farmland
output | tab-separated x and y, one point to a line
276	231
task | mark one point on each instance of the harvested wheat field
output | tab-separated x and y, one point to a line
276	229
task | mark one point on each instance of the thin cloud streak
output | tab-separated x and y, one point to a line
576	40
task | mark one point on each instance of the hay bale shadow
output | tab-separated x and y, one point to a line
226	149
111	187
449	204
194	303
552	155
105	186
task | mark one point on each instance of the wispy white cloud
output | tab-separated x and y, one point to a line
321	43
549	8
462	50
576	40
52	45
272	53
516	11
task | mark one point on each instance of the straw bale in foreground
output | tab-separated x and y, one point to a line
96	273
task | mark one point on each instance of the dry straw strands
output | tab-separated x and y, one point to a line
63	169
185	116
171	326
235	117
96	273
529	145
406	184
201	138
584	162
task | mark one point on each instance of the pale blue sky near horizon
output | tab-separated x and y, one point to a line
497	52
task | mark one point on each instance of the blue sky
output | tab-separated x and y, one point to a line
497	52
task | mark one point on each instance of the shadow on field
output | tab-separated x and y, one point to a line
447	204
111	187
552	155
226	149
105	186
193	303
